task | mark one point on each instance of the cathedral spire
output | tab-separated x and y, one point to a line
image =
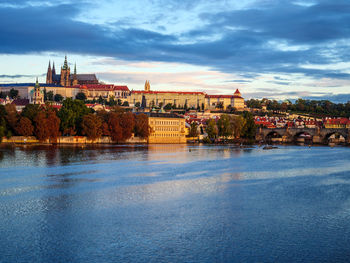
65	66
49	74
75	79
53	68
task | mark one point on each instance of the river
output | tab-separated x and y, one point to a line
174	203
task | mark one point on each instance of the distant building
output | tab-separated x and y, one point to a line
94	91
185	99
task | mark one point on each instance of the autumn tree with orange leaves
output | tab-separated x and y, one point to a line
24	127
115	130
141	127
92	126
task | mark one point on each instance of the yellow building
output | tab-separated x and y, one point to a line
224	101
166	128
181	99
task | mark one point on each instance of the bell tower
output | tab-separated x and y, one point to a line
65	74
147	86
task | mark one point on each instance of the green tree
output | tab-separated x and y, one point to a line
81	96
237	124
137	104
168	106
71	115
125	103
58	97
249	128
224	126
13	93
50	95
30	111
211	129
193	129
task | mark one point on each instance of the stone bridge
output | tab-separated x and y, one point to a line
318	135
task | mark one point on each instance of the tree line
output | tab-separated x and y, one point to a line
74	118
315	107
228	126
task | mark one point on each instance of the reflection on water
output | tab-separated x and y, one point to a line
174	203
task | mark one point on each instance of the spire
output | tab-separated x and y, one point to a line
65	66
49	68
75	69
53	68
37	83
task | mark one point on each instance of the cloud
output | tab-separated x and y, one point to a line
20	76
269	37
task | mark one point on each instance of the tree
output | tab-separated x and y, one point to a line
127	123
24	127
249	128
168	106
13	93
125	103
30	111
193	130
11	117
100	100
71	115
81	96
50	95
41	129
137	104
237	124
92	126
53	124
58	97
211	129
224	126
141	127
45	94
115	130
2	132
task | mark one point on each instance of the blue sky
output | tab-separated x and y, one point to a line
274	49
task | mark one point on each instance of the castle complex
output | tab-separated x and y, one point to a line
66	78
69	85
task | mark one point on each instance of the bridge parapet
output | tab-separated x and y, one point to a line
318	134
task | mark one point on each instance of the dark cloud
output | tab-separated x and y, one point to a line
248	42
20	76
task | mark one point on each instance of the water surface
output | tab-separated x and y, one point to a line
174	203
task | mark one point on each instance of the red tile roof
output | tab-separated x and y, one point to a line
162	92
104	87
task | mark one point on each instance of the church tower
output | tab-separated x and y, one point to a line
53	69
65	74
37	97
75	79
147	86
49	75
